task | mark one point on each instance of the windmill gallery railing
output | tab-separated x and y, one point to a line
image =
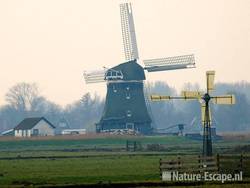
219	164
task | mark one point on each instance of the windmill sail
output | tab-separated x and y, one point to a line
210	80
128	32
203	114
94	77
224	99
191	94
170	63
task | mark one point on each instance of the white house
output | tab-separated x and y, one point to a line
37	126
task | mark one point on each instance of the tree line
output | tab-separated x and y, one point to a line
24	100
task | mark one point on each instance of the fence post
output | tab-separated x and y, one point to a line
160	168
218	162
199	162
179	162
241	162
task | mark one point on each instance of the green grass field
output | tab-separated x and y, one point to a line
86	170
97	164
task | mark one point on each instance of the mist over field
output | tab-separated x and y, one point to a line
24	100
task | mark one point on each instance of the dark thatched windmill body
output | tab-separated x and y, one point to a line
205	99
126	105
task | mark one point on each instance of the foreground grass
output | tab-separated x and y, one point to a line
233	185
75	171
102	169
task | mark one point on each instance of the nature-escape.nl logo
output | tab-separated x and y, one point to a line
206	176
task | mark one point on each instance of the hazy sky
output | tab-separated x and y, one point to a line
51	42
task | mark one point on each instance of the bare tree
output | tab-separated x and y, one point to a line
191	87
22	96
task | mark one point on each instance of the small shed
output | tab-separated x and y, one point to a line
36	126
62	125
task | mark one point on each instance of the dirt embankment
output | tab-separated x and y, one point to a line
236	136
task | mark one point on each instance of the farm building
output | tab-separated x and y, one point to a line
74	131
62	125
9	132
37	126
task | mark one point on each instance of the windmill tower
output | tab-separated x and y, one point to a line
205	99
125	106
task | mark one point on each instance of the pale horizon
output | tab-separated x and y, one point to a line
52	42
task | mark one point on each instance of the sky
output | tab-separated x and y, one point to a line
51	42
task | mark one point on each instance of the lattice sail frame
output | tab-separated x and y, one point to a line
170	63
131	51
210	80
128	32
94	76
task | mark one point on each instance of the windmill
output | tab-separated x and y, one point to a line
125	105
205	109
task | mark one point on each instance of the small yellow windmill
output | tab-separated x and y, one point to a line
205	109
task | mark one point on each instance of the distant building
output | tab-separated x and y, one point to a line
37	126
9	132
74	131
62	125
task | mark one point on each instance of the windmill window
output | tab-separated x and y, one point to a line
128	96
109	74
114	89
129	114
119	75
113	75
127	93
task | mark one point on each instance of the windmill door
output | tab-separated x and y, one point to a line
130	126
